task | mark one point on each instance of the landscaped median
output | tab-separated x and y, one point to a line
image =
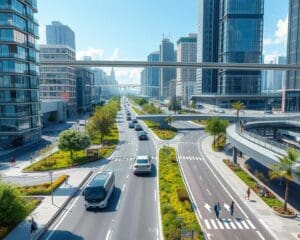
176	208
164	134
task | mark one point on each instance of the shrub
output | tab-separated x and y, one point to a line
182	195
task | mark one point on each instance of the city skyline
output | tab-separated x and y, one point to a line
118	41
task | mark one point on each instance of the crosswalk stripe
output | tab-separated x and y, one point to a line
224	221
213	224
232	225
221	226
207	224
238	224
245	224
199	158
250	224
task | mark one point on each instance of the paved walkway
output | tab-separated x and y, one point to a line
280	228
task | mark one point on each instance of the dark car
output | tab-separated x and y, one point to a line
128	118
134	120
138	127
142	135
131	125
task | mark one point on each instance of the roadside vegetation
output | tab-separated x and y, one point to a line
148	108
238	106
101	130
217	128
176	208
14	207
164	134
43	189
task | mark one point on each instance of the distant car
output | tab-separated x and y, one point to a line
131	125
221	111
82	123
142	135
138	127
142	164
128	113
269	112
128	118
134	120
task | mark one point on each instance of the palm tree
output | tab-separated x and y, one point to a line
283	170
238	106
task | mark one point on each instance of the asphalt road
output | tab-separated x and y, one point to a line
208	188
132	210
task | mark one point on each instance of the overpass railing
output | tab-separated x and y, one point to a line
262	141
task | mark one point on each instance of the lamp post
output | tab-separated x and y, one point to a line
51	177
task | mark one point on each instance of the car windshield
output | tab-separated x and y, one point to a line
142	161
96	194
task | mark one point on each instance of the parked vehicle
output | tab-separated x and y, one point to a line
99	190
142	164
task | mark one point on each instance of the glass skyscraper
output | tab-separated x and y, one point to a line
59	34
152	75
292	95
241	37
19	74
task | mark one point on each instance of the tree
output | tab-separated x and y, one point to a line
216	126
238	106
169	120
283	170
101	124
193	105
174	105
13	207
73	141
52	117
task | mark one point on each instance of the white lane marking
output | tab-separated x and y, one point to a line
208	192
63	217
127	176
217	178
108	235
238	224
224	221
213	224
268	229
260	235
221	226
245	224
226	206
157	233
250	224
207	224
155	195
123	188
232	224
207	206
200	178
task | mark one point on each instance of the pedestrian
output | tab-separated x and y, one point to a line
248	193
66	181
217	209
33	226
231	208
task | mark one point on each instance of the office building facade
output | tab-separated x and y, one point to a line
84	84
19	74
152	76
167	54
207	45
59	34
58	82
292	86
186	77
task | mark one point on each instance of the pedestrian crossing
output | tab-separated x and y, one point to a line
129	159
228	224
189	158
188	143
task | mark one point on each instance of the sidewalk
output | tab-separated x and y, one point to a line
280	228
46	212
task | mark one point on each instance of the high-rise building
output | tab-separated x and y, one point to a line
152	75
186	77
58	82
167	54
84	83
142	81
105	84
19	74
292	94
240	41
207	45
59	34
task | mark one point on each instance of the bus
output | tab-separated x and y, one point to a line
99	190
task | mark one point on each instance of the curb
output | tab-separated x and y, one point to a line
53	218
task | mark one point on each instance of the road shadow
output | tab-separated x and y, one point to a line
60	235
112	203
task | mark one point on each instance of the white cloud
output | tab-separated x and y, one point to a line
128	75
280	36
115	55
95	53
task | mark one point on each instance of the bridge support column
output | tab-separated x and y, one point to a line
234	155
164	125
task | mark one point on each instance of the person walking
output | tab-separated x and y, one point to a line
248	193
232	208
217	209
33	226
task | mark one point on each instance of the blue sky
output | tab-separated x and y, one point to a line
131	29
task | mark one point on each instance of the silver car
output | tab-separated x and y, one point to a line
142	164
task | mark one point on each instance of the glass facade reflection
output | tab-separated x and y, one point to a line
241	34
293	57
19	75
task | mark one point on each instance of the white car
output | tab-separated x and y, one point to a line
142	164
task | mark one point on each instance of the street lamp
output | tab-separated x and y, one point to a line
51	175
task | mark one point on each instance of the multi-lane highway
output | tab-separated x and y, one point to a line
208	188
132	210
